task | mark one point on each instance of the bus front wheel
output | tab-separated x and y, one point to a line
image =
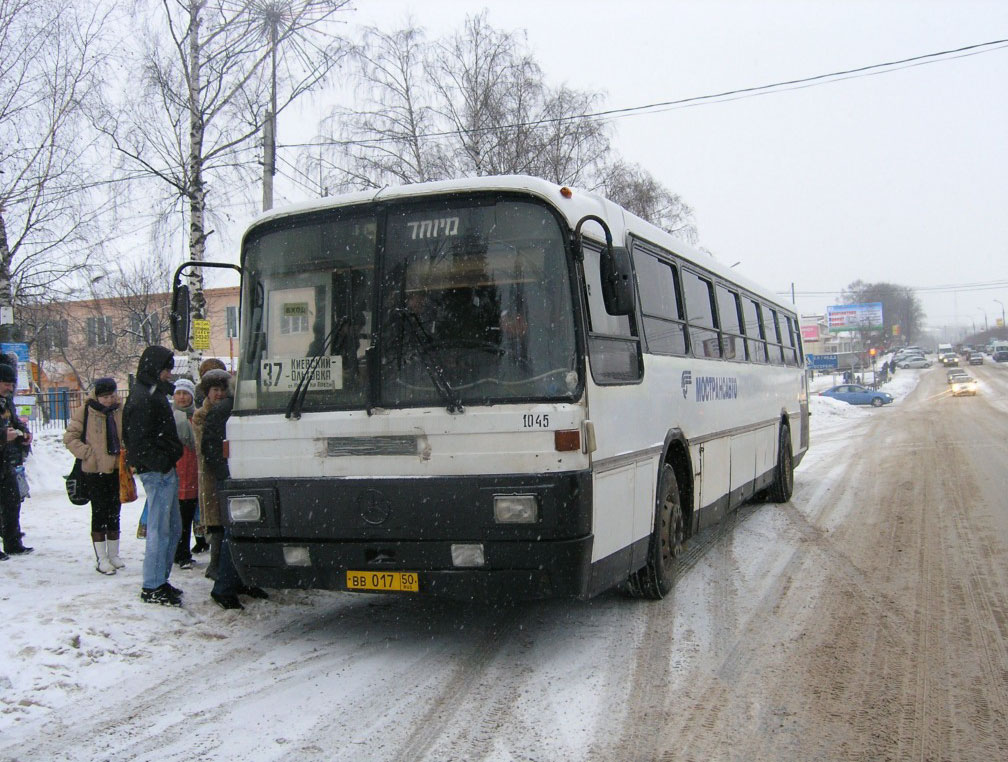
657	578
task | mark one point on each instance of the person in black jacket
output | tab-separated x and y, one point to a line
152	449
14	440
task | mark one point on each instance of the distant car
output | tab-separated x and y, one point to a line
855	394
976	358
950	360
913	362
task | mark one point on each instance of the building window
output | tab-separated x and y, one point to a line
232	322
142	329
54	335
99	331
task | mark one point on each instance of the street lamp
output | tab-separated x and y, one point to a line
1002	312
986	327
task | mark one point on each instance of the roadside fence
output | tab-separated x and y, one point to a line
53	409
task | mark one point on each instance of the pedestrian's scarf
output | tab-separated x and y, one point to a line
111	432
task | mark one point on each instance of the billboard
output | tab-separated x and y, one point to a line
810	332
854	317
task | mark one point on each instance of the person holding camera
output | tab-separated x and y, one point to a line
14	439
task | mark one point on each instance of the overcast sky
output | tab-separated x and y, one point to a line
896	177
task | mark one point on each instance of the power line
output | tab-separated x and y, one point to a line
990	285
736	94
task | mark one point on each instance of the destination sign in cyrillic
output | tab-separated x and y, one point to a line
283	374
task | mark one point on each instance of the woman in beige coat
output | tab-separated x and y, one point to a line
98	448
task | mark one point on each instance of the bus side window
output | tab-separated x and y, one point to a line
699	296
790	349
731	326
613	345
774	337
753	324
661	305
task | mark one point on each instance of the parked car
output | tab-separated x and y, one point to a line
918	361
855	394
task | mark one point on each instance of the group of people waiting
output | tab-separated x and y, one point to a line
176	450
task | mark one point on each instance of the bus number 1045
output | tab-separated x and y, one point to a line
535	420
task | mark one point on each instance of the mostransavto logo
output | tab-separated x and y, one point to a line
716	388
687	379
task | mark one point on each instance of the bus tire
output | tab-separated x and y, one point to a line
782	486
658	576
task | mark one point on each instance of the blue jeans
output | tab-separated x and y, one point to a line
164	526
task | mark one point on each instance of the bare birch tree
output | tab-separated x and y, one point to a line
475	103
213	71
639	191
388	134
50	59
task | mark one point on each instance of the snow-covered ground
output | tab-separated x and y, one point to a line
70	637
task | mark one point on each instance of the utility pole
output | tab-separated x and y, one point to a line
1002	312
269	161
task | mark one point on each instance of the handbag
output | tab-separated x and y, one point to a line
76	485
127	485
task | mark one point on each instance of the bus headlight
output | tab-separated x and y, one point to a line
516	509
244	508
296	555
468	554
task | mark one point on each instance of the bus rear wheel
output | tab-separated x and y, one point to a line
658	576
782	486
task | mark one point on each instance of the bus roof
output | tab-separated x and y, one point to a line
581	202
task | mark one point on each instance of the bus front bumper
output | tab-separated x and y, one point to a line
511	570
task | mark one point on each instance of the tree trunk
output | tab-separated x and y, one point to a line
196	191
7	331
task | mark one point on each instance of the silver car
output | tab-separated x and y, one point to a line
913	362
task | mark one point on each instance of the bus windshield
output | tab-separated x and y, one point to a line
449	304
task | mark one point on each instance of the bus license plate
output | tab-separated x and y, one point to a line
400	582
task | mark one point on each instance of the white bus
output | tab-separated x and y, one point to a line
496	384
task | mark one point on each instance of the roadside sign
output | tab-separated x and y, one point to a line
201	334
822	362
19	350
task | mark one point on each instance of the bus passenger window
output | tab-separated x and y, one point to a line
731	330
699	297
664	321
753	325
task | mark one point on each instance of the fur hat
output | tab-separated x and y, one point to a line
215	377
185	385
104	386
7	373
211	363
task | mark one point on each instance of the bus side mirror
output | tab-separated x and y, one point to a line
617	281
179	317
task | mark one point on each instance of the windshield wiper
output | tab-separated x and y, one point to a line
301	390
424	343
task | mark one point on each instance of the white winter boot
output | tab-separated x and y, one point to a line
113	553
104	564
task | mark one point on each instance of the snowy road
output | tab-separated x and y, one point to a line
867	619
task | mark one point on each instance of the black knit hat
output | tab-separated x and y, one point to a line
104	386
7	373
